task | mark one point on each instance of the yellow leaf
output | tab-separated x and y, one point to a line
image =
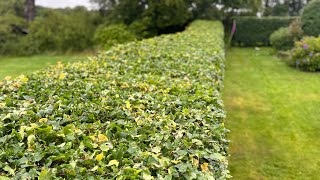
99	157
2	105
102	138
34	125
43	120
23	79
92	138
195	161
175	161
156	149
7	78
113	162
60	65
62	76
204	167
128	105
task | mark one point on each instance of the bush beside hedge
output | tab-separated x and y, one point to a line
255	31
144	110
281	39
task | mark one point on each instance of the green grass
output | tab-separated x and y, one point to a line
274	117
15	66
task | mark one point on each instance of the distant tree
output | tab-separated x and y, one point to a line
284	7
105	6
30	10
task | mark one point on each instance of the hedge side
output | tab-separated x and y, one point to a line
255	31
144	110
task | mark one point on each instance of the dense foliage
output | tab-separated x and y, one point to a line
61	31
306	54
281	39
158	17
10	39
110	35
54	30
284	38
144	110
254	31
311	18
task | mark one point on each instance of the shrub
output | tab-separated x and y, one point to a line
254	31
110	35
306	54
144	110
143	28
11	41
58	31
282	39
295	29
311	18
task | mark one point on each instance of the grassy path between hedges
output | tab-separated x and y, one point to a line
274	117
15	66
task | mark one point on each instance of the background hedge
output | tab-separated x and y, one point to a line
255	31
144	110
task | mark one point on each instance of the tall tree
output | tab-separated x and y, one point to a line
30	10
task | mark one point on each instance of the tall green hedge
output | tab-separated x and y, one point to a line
143	110
255	31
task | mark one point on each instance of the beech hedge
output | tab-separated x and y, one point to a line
144	110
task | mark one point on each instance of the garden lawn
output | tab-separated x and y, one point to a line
15	66
274	117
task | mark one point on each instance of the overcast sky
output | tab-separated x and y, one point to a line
63	3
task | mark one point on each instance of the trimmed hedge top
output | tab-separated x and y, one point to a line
255	31
144	110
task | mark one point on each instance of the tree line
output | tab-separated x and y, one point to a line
27	27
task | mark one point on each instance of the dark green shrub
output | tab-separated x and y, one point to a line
110	35
11	40
143	28
282	39
306	54
311	18
57	31
150	109
254	31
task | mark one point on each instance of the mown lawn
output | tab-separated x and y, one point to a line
274	117
15	66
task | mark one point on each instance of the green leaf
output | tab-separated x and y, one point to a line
9	170
104	147
45	175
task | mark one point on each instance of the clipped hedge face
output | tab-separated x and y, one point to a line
306	54
254	31
311	18
148	109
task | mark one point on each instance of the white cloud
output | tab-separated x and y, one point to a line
64	3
